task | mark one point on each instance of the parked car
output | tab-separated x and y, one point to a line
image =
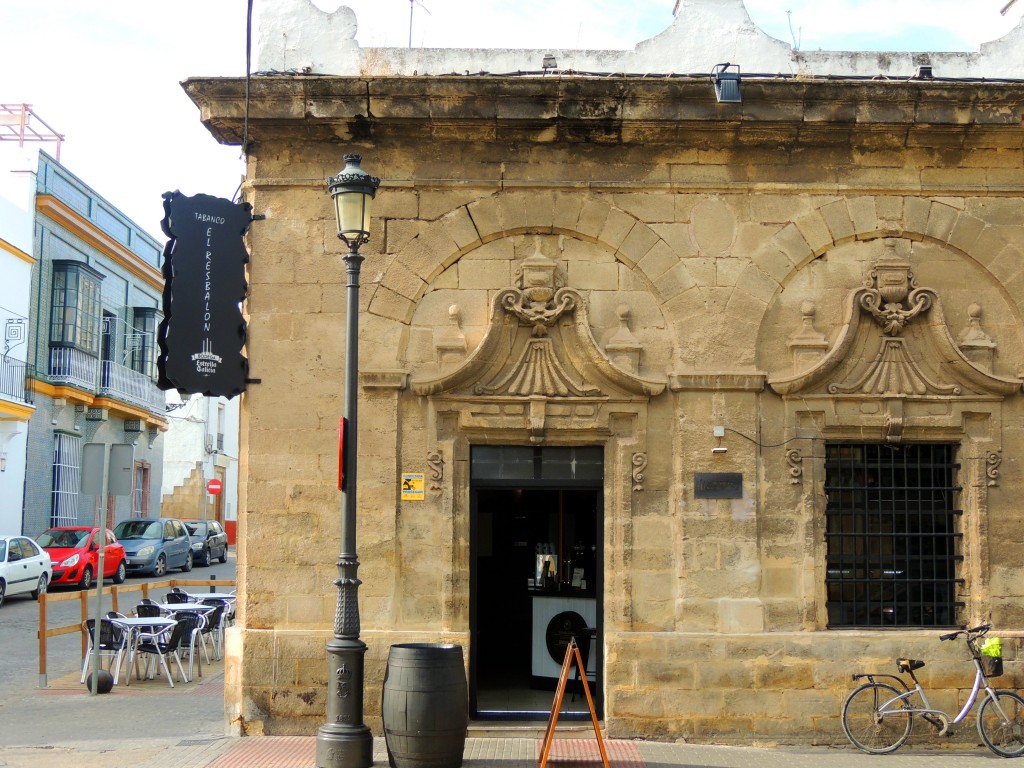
209	540
74	552
153	545
24	567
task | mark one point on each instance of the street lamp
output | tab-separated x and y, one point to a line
345	741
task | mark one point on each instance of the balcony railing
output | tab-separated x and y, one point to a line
130	386
14	375
72	366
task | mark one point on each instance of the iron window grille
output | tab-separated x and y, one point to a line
892	538
67	461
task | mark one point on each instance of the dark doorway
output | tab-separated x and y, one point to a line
536	578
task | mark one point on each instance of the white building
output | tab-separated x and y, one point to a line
201	445
16	199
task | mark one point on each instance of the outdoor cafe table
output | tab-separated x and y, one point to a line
135	625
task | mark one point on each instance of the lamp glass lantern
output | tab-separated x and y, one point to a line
352	191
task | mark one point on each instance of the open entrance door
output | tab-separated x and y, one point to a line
536	580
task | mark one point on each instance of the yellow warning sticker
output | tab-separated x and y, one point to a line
412	486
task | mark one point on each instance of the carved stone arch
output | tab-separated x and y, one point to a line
917	219
817	324
442	242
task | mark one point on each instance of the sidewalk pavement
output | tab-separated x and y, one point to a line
149	725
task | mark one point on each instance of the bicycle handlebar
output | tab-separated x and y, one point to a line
981	629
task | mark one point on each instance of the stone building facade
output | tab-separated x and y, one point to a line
752	368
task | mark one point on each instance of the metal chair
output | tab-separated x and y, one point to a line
195	624
163	647
215	621
177	597
112	644
148	610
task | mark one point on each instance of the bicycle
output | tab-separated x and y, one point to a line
877	717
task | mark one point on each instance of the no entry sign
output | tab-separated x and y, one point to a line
214	486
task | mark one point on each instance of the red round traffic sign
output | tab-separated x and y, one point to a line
215	486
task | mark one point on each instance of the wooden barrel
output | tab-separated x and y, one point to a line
424	706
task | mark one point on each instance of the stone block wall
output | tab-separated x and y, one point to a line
738	249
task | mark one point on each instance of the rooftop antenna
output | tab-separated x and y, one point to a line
412	4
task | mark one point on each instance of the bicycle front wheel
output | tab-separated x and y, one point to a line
1002	727
873	726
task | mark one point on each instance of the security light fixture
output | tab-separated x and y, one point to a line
549	62
727	83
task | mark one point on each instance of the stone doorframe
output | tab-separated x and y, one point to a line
456	424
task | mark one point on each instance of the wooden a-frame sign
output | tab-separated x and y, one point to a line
572	652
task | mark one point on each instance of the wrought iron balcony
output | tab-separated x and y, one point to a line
14	375
130	386
72	366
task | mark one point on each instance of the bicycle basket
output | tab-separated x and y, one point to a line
992	657
992	666
992	646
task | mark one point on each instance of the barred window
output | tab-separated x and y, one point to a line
67	462
892	536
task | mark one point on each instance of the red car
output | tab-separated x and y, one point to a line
74	555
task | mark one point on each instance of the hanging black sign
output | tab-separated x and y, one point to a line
202	333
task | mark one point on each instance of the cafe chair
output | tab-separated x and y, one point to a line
112	645
215	621
147	609
163	647
194	623
176	597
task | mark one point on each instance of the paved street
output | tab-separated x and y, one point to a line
147	724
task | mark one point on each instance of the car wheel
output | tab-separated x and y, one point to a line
188	563
40	588
161	566
86	581
120	573
3	591
224	555
207	557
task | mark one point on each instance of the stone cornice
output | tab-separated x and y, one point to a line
81	227
614	110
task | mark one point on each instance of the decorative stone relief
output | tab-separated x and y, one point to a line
556	355
806	345
993	460
622	347
796	467
888	287
977	345
435	461
639	465
450	341
905	364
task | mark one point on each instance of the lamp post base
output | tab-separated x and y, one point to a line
344	746
344	741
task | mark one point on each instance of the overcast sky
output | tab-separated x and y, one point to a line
105	73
